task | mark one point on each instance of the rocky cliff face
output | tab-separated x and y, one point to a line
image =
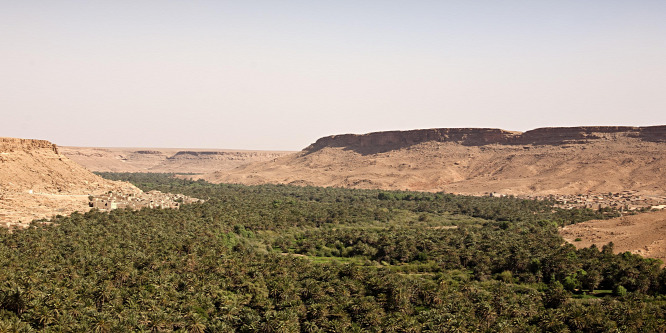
392	140
13	144
564	135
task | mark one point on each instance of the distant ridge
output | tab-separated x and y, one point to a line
170	160
551	160
389	140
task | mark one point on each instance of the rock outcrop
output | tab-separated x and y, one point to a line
8	145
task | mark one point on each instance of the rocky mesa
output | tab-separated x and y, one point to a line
393	140
476	161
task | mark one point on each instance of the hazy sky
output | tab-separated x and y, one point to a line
280	74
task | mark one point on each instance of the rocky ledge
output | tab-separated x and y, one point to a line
391	140
14	144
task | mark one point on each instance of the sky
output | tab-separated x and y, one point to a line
277	75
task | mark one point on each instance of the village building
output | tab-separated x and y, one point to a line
152	199
623	201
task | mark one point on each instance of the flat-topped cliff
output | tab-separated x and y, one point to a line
586	134
565	160
391	140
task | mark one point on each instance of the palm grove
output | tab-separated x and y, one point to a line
278	258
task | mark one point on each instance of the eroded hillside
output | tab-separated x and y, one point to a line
36	181
169	160
476	161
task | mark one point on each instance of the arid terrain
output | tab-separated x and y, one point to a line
36	181
476	161
621	167
643	234
169	160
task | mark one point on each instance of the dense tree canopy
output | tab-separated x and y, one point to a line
278	258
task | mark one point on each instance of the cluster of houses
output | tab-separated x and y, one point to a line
152	199
623	201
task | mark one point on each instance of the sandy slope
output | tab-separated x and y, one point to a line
643	234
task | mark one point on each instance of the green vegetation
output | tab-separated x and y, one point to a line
288	259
